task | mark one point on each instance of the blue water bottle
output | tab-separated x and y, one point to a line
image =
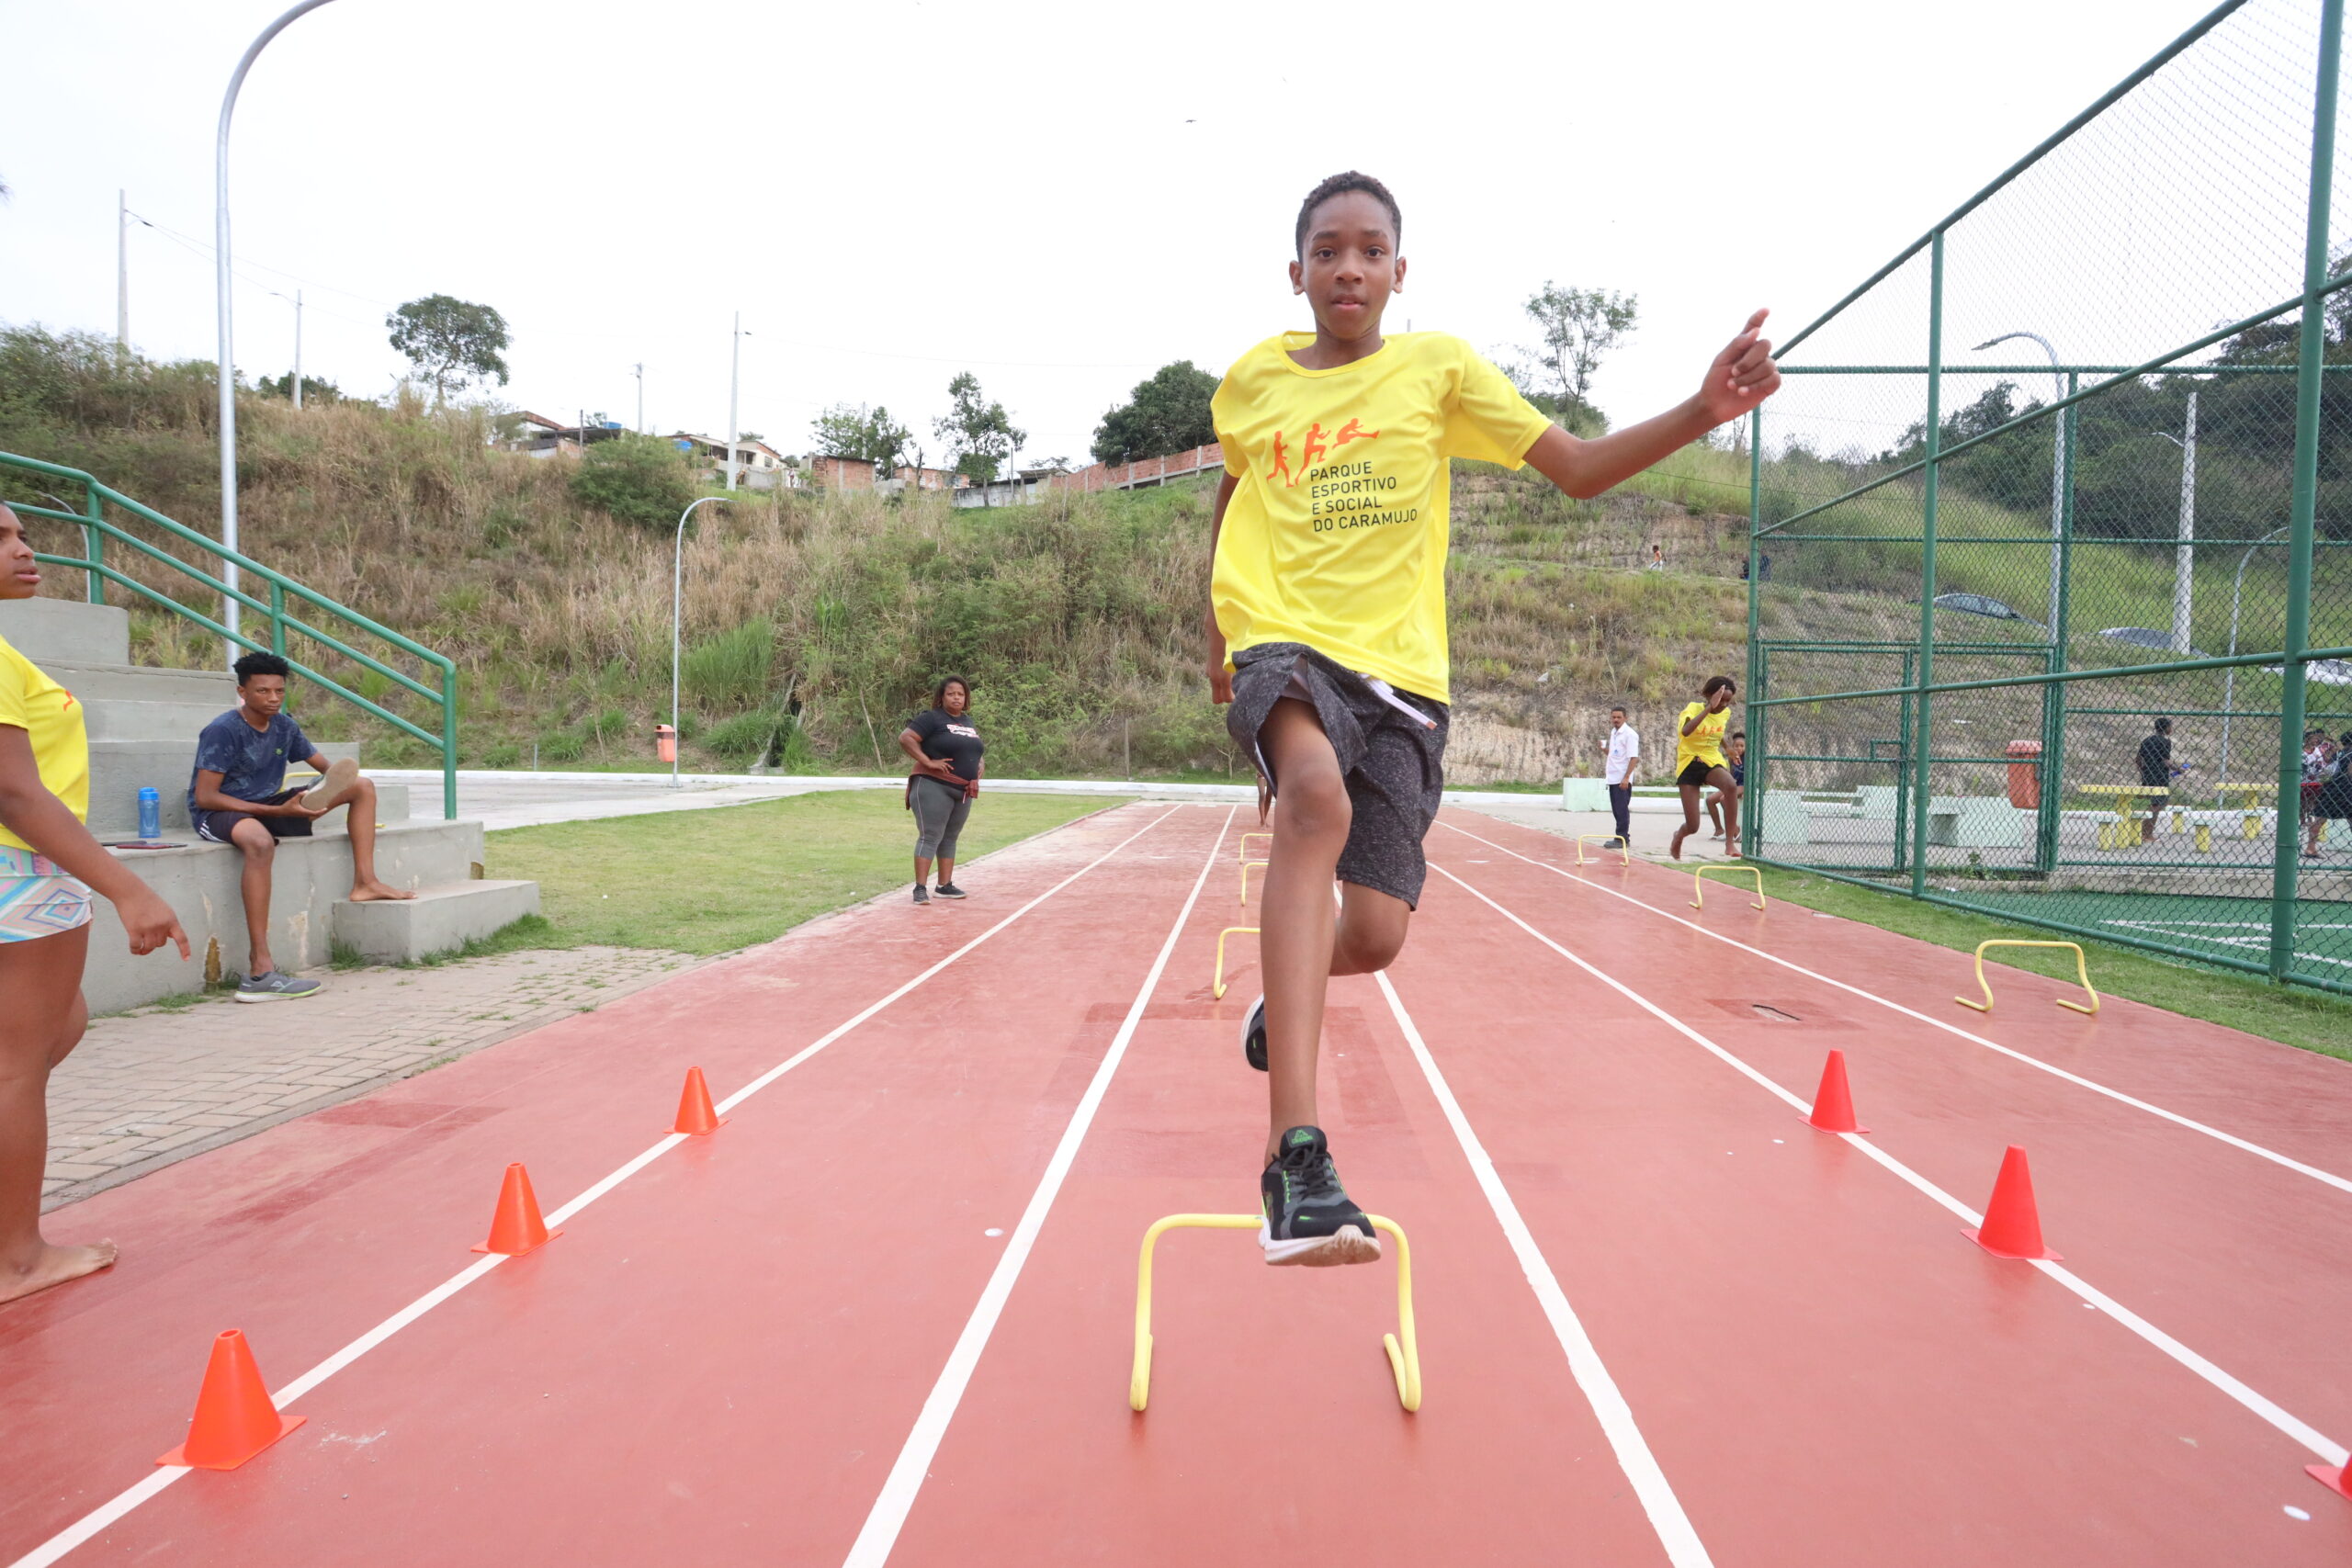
151	814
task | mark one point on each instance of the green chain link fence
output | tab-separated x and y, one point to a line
2050	541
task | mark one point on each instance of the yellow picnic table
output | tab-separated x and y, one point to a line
2125	831
2253	793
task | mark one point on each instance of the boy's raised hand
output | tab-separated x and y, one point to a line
1743	374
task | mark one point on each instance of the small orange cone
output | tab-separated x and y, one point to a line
2337	1481
1833	1102
516	1228
2012	1224
234	1418
697	1115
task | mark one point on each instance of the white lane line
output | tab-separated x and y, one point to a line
108	1513
2318	1442
2341	1184
1675	1532
889	1514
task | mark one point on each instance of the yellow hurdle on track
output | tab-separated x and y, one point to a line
1699	884
1404	1358
2082	972
1244	878
1622	848
1245	843
1217	979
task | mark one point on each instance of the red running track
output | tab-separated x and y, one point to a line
886	1311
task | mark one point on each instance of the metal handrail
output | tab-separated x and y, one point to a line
96	530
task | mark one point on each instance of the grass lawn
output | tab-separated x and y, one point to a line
2314	1020
713	881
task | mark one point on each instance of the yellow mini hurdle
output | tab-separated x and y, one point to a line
2082	974
1603	838
1245	879
1699	884
1404	1359
1217	979
1245	842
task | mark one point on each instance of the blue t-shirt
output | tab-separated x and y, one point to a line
251	762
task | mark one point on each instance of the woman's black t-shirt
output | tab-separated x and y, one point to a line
950	737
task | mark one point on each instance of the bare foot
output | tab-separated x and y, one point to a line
1731	852
1674	845
54	1266
376	892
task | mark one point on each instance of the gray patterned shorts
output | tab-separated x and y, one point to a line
1391	746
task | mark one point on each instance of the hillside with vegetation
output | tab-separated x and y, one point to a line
814	622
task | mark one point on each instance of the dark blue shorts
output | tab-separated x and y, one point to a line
218	825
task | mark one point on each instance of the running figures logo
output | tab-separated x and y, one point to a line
1312	449
1343	492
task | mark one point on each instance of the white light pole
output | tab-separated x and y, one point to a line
122	276
2057	465
734	383
639	371
2184	552
2229	681
221	291
295	299
677	593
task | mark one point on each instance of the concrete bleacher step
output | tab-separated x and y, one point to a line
438	919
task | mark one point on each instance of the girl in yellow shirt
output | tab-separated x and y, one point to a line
1699	764
48	867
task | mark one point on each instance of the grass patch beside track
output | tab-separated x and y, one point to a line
2310	1020
713	881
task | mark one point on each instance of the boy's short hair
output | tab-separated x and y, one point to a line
1618	707
254	664
2163	726
1339	185
1739	735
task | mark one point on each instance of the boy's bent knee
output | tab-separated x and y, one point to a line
1315	805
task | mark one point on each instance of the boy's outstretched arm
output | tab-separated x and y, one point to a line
1742	376
1220	677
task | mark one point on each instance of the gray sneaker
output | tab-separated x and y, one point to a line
922	895
277	985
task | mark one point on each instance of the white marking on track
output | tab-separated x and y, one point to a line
106	1514
1675	1532
2318	1442
2340	1183
896	1499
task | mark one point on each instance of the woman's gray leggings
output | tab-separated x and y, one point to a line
940	810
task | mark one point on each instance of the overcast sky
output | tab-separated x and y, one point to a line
1057	198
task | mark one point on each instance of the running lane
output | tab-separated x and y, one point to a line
715	1360
2240	1256
1830	1372
1273	1428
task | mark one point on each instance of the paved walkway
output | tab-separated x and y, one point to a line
159	1084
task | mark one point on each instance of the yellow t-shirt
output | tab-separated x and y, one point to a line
1704	744
1336	536
33	703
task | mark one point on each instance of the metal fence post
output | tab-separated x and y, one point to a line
2051	815
1922	714
449	742
2311	350
277	619
95	543
1750	835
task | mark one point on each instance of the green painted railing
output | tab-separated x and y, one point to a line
282	610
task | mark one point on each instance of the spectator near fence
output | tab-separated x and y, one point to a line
2156	772
1624	760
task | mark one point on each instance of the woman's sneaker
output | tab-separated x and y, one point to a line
948	890
1305	1215
1253	1034
921	896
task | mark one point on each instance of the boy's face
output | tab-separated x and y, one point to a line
264	695
1350	266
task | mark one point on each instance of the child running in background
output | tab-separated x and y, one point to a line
1735	764
1326	631
1699	764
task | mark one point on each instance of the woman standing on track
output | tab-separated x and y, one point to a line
48	867
945	747
1699	764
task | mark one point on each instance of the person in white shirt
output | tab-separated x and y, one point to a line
1624	753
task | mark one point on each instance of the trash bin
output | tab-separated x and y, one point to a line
2025	775
665	744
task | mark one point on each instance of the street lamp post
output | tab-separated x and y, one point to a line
677	582
734	383
2057	462
221	290
2229	681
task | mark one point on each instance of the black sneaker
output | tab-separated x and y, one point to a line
1305	1215
1253	1034
948	890
921	897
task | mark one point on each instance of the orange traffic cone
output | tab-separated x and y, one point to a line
1833	1102
234	1418
516	1228
2337	1481
697	1115
2012	1224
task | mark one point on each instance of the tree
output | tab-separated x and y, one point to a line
980	435
315	388
638	478
847	430
1169	411
451	342
1578	326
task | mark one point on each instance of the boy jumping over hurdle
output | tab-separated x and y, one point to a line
1326	631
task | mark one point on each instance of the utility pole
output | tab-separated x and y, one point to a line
122	277
640	369
298	348
2185	552
734	383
